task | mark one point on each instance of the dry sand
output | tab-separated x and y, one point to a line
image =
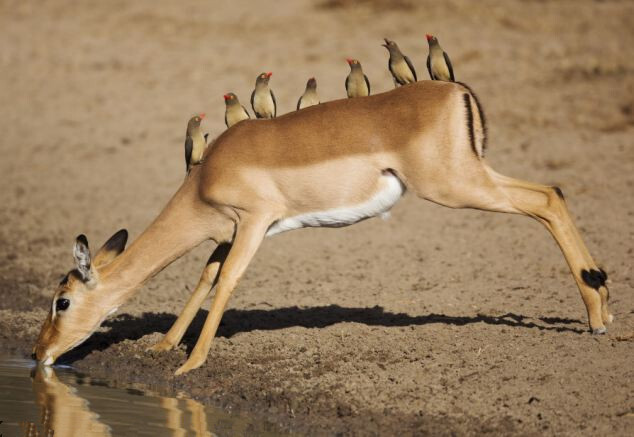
437	321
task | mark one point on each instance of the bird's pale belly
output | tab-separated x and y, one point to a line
403	72
235	116
359	89
441	71
263	105
380	203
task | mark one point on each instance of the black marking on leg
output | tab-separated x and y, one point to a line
604	278
467	104
594	278
559	193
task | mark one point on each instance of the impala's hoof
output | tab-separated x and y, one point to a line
159	347
599	331
190	364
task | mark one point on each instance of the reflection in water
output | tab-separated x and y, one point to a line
63	412
62	403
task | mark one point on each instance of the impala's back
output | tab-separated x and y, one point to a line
334	154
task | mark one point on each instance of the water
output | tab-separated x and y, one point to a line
38	401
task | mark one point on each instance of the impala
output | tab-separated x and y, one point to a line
333	164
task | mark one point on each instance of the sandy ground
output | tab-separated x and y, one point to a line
437	321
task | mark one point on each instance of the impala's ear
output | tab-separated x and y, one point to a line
81	253
113	247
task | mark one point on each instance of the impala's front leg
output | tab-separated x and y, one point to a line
206	282
249	235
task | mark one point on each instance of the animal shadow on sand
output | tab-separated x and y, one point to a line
127	327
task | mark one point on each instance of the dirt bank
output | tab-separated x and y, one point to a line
437	321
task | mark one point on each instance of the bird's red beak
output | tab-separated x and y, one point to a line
202	115
349	61
269	74
227	97
429	37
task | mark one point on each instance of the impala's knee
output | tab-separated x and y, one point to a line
594	278
559	193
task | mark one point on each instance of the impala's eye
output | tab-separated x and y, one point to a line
62	304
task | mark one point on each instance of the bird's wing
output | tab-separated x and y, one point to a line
274	104
411	67
347	80
448	62
207	136
226	123
367	82
246	112
299	101
253	105
431	76
189	147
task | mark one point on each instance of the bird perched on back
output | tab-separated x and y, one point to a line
195	143
438	63
262	98
357	83
310	97
400	66
234	111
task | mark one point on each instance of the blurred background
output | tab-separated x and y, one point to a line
95	97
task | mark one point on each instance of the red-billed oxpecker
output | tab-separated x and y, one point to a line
438	63
262	98
400	66
195	143
310	97
357	83
234	111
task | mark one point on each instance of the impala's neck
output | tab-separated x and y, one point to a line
183	224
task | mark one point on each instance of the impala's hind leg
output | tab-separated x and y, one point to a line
205	284
484	189
547	205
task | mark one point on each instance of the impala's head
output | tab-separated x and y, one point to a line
80	302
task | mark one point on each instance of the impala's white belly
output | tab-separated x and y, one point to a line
391	190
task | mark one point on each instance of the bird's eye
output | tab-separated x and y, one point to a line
62	304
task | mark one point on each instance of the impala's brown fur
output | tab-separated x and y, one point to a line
322	158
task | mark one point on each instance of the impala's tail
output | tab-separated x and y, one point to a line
476	122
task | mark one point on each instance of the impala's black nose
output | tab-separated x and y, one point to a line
33	356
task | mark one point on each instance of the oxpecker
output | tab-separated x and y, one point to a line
400	66
262	97
195	142
438	63
234	111
357	83
310	97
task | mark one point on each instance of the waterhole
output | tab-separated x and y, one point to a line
39	401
